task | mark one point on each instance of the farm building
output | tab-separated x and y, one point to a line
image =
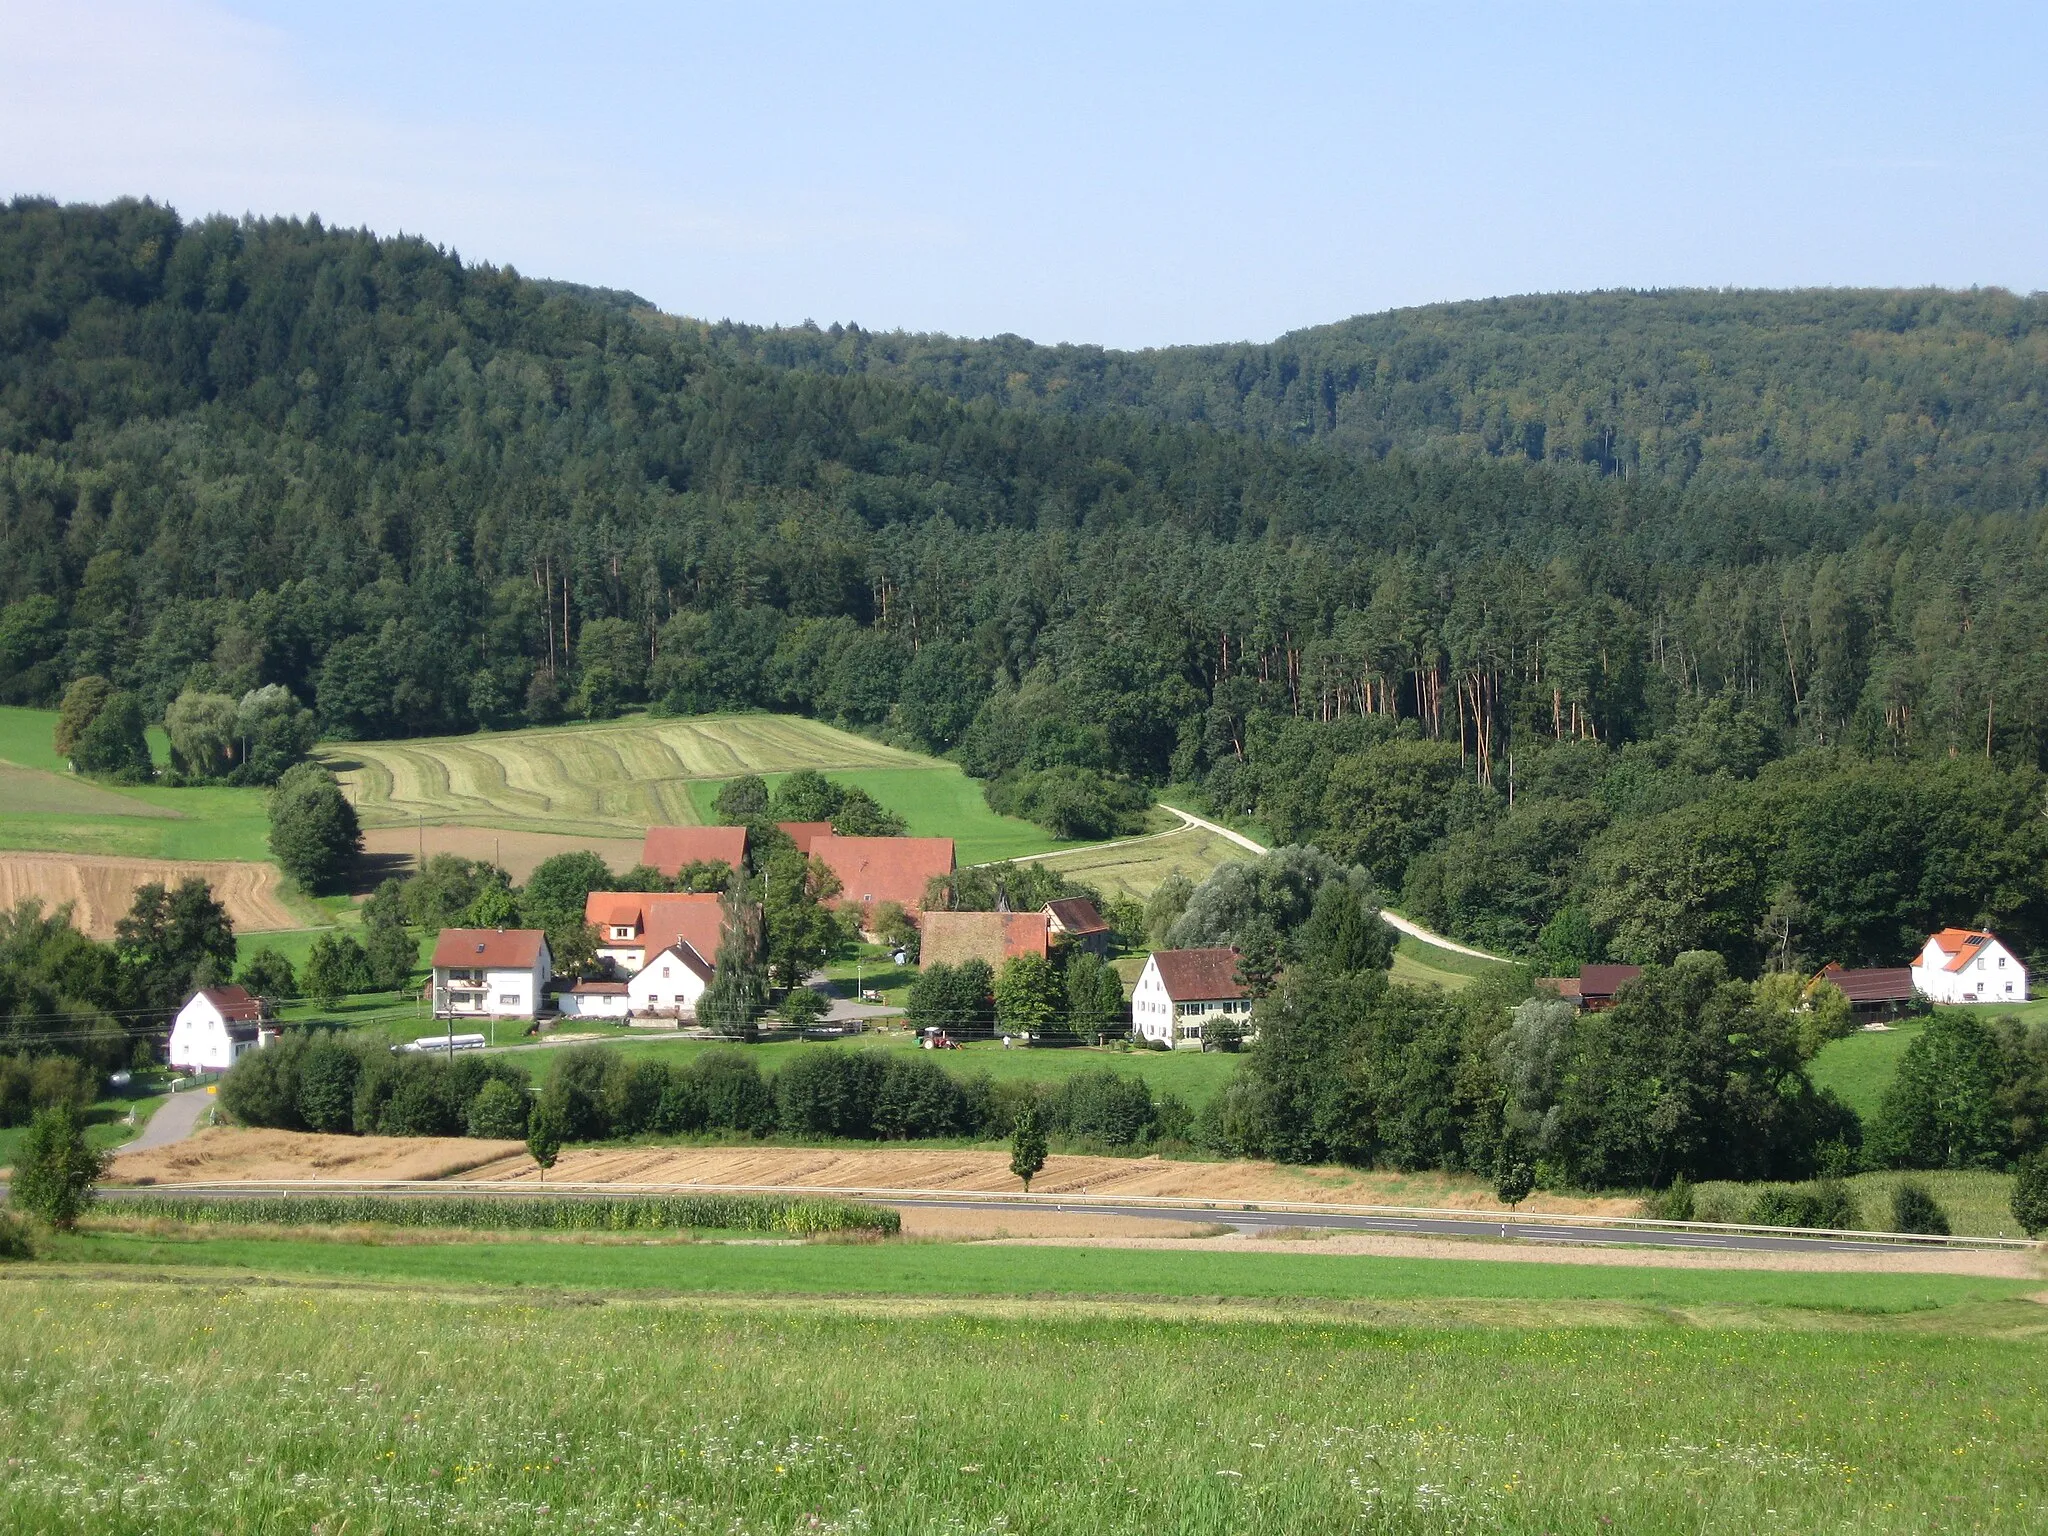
499	973
873	870
805	833
668	849
1969	965
1074	920
951	937
1880	992
594	1000
634	926
1594	988
670	983
216	1025
1183	992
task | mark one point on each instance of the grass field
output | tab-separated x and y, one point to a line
1137	868
106	1122
1860	1067
229	1403
1978	1203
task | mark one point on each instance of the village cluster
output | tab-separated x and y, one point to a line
659	950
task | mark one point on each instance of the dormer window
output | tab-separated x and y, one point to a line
622	933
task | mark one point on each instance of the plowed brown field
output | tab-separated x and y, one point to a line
101	889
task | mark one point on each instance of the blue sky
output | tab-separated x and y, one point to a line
1130	174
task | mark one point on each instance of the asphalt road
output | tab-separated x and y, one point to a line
1251	1222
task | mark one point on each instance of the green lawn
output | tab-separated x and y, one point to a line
979	1269
48	808
1859	1067
174	1408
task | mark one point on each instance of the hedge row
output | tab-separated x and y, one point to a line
639	1213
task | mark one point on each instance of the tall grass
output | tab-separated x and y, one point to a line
180	1409
652	1213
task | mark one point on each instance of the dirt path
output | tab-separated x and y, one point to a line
101	889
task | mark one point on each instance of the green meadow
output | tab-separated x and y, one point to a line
272	1386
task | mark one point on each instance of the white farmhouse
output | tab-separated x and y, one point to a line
670	984
491	973
1182	990
1968	965
218	1025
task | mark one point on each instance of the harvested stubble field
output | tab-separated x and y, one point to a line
100	889
612	778
395	850
180	1407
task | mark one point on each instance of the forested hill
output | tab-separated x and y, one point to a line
1532	698
1926	396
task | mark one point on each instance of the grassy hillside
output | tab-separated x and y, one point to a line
615	778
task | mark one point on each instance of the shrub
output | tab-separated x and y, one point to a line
55	1170
1673	1203
2030	1194
328	1075
15	1242
1513	1182
15	1077
262	1088
1827	1203
269	974
498	1112
804	1006
1914	1209
917	1097
575	1092
1101	1105
336	967
829	1093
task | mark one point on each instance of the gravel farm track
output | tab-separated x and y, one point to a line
100	889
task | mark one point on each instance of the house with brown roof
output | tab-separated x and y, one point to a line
805	833
1594	989
1182	994
873	870
668	849
1074	920
217	1026
1969	965
498	973
1878	992
948	938
634	926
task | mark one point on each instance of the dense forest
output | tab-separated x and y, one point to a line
1927	396
1762	695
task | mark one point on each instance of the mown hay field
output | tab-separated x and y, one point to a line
1138	867
177	1407
609	778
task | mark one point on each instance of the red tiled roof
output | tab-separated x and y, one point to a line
233	1003
1961	945
1566	987
1878	984
658	919
691	960
590	988
805	833
1199	975
1076	915
873	870
951	937
1605	980
488	948
668	849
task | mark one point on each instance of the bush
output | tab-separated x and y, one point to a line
263	1087
1070	802
1827	1203
2030	1194
829	1093
336	967
1914	1209
15	1242
329	1073
798	1215
269	974
55	1170
1102	1106
1674	1203
917	1098
498	1112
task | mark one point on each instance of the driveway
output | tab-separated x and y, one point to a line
178	1117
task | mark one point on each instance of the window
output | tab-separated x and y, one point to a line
2001	962
622	933
664	973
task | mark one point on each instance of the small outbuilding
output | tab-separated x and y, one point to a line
1075	920
217	1026
1874	992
